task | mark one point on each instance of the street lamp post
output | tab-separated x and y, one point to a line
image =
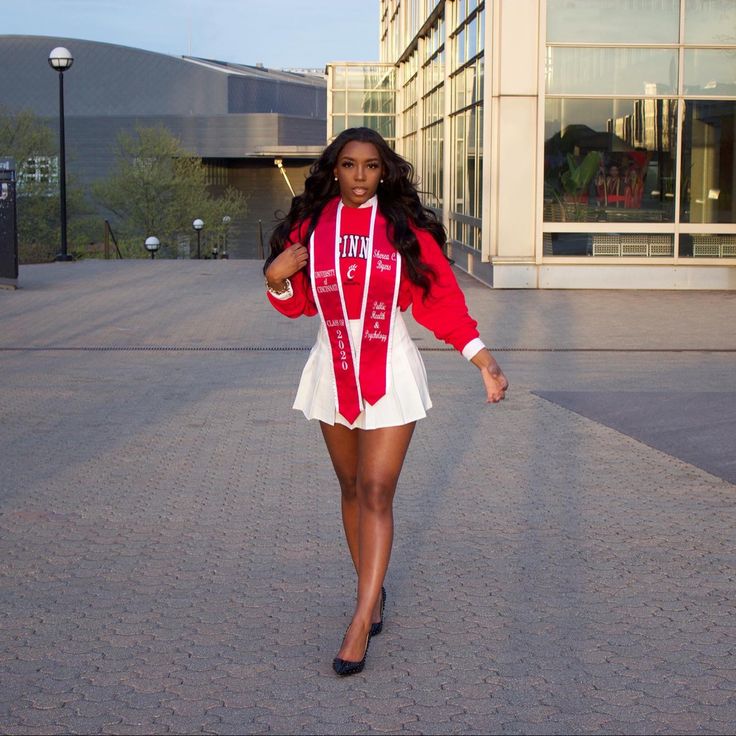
226	222
198	225
61	59
152	244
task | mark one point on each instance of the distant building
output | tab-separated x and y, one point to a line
238	118
565	143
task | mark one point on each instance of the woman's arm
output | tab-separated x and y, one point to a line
445	312
286	276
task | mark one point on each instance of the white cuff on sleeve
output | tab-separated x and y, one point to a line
473	348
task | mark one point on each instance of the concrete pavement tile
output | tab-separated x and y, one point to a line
424	713
78	725
134	729
444	728
101	694
278	723
524	727
639	711
230	729
49	701
582	722
397	721
46	730
642	727
474	706
158	700
192	708
340	729
338	712
211	690
238	714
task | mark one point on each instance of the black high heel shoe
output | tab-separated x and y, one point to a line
344	667
376	629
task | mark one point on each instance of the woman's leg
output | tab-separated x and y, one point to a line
380	456
342	444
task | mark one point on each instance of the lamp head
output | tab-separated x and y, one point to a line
152	243
198	224
60	59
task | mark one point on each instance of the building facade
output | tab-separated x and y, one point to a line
566	143
239	119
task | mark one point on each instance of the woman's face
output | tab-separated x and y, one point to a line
358	172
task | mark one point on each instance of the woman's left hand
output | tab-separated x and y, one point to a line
494	380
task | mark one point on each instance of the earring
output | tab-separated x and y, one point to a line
381	181
335	178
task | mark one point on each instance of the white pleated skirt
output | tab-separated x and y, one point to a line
407	396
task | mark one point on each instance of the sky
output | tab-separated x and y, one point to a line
277	33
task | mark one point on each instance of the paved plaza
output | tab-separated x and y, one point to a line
171	552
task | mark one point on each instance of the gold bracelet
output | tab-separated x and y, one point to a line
279	292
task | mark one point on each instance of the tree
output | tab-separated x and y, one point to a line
158	188
33	145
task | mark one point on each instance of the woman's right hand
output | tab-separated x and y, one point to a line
287	263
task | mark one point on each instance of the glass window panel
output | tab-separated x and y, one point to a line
384	124
338	124
369	77
610	160
472	160
611	71
708	245
459	84
460	45
710	72
710	21
471	84
480	162
481	31
370	102
472	33
708	163
613	21
459	124
339	78
617	245
338	102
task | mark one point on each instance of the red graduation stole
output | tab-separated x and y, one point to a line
369	381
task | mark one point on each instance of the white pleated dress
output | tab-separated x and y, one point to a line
407	394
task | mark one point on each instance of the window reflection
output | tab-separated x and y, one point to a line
710	21
613	21
708	164
710	72
620	245
609	160
611	71
708	245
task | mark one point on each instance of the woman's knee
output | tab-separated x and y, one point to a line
348	488
375	495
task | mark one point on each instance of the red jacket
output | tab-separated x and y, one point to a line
443	311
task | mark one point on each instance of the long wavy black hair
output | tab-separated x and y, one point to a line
398	200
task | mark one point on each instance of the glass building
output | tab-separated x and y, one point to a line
565	143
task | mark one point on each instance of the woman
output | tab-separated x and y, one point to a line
357	248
